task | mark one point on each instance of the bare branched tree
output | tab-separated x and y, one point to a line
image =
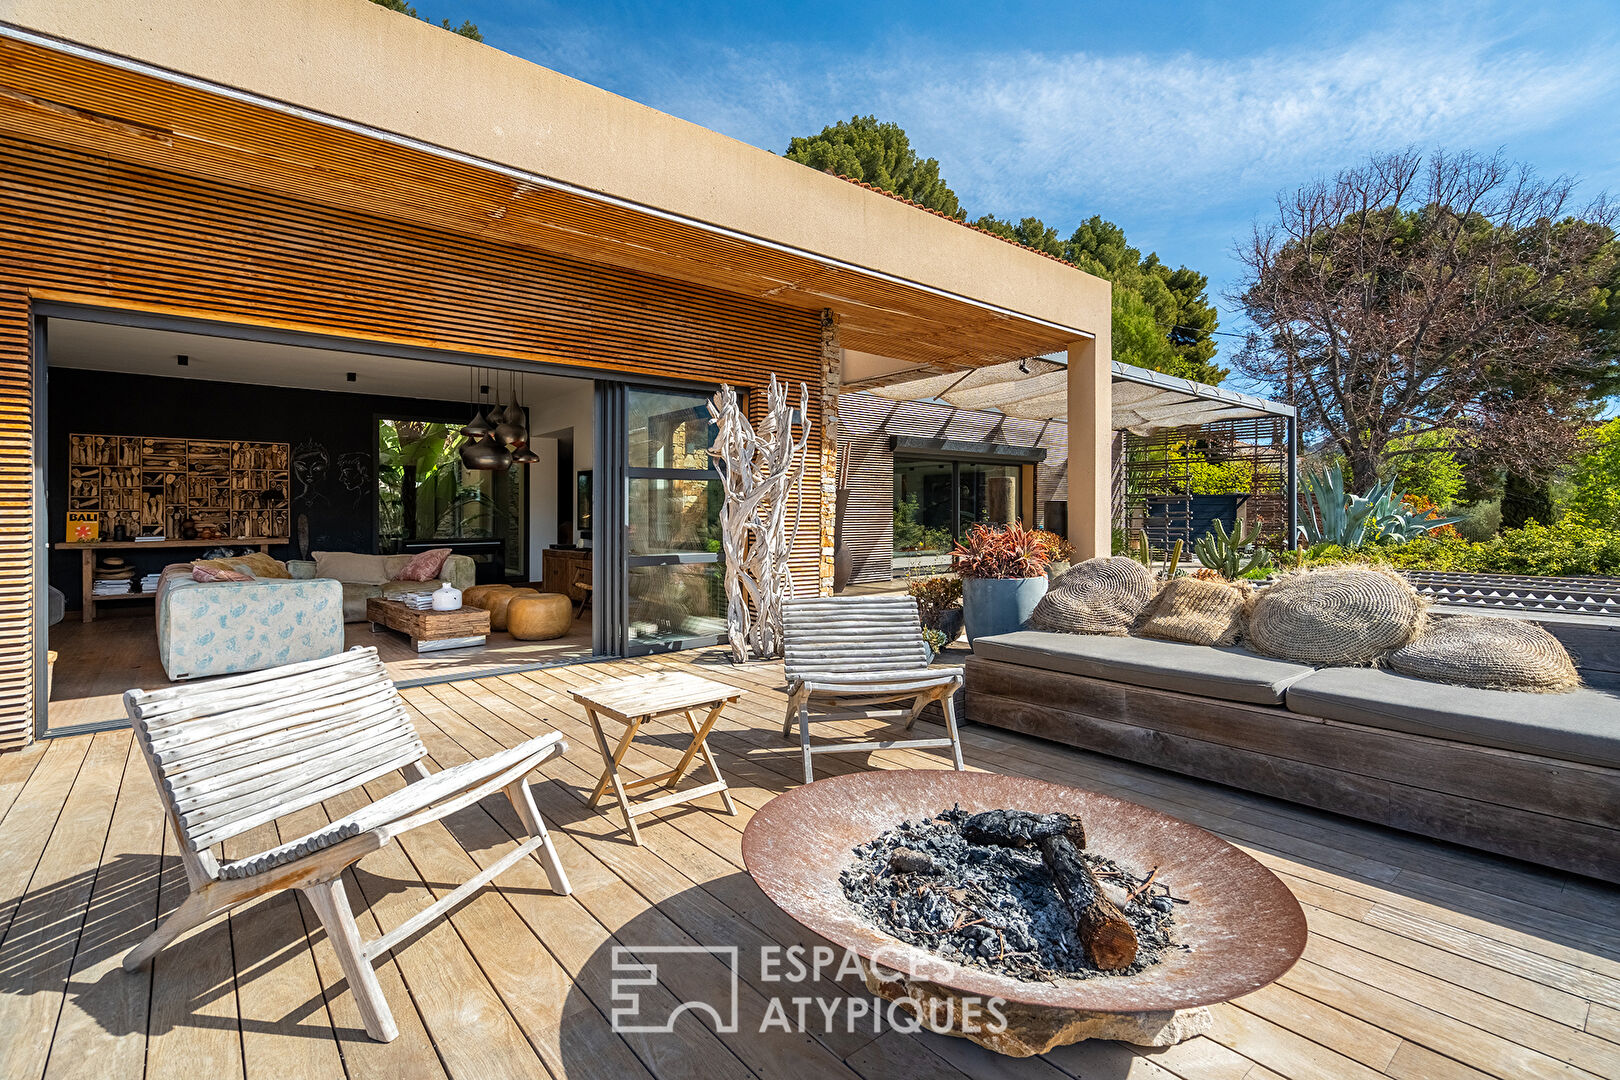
1446	293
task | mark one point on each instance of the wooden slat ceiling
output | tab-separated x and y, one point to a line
83	104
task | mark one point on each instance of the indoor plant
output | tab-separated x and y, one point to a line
1003	572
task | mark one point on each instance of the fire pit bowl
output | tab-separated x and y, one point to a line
1241	926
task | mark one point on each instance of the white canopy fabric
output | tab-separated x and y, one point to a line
1037	389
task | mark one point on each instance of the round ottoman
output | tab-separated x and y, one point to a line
499	602
478	595
539	617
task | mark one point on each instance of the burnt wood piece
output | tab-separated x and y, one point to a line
1561	814
1109	940
1020	828
1108	936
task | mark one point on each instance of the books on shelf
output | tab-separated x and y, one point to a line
109	588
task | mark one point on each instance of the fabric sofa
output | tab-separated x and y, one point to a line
459	570
1534	776
221	627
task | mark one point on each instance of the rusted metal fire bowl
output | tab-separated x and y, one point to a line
1242	928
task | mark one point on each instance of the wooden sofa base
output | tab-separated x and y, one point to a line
1555	813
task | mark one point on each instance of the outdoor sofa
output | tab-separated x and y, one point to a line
1533	776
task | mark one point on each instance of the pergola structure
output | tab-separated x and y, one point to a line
1149	407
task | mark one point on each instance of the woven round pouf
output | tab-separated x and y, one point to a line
478	595
1491	653
1098	596
1338	615
540	617
501	602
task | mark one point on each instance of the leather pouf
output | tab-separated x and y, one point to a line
539	617
478	596
500	602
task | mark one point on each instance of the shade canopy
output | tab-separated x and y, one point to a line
1037	389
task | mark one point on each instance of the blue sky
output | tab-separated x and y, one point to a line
1180	122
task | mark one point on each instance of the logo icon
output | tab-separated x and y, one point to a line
634	969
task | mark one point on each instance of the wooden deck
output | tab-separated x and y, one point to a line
1425	961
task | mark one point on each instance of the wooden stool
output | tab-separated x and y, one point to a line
478	595
539	617
634	701
499	602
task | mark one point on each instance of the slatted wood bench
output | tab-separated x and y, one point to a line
233	754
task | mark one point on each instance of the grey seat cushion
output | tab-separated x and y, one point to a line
1583	725
1230	674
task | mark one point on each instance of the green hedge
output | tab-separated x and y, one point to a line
1573	546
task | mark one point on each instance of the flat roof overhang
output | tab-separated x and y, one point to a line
950	298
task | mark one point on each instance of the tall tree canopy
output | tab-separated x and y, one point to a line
1162	318
879	154
466	29
1451	294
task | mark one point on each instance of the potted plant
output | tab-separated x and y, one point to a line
1059	555
939	604
1003	572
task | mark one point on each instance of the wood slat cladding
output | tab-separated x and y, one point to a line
867	425
77	102
17	629
108	233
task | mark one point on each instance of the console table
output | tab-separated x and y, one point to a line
88	551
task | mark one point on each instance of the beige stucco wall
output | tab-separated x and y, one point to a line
354	59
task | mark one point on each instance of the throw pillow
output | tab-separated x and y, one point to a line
1346	616
261	565
351	567
424	566
1491	653
206	570
1098	596
1198	611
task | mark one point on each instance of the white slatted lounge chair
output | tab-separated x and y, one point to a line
857	652
235	753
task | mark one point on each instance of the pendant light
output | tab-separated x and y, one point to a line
509	430
524	455
477	427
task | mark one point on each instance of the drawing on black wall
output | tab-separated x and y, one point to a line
354	473
311	462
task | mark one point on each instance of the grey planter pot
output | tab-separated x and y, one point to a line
993	606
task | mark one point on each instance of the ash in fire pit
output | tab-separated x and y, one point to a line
1012	893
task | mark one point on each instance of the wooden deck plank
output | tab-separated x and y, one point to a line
36	954
102	1027
27	826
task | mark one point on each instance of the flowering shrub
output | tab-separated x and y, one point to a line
1004	551
1417	504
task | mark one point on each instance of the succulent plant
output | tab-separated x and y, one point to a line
1336	515
1142	552
1223	551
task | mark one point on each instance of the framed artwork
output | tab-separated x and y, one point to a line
83	526
582	507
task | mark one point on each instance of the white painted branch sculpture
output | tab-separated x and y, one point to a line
759	468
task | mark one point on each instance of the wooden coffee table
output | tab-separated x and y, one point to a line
634	701
430	631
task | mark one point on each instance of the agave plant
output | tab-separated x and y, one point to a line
1335	515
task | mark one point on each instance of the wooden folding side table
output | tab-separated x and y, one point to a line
635	701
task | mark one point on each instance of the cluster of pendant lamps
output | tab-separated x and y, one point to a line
497	436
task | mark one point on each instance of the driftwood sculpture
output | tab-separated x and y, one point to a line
759	467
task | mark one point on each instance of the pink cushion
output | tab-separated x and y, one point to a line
425	566
204	572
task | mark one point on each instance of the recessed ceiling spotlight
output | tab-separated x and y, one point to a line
183	360
351	377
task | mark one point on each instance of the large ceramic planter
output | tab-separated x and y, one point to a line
993	606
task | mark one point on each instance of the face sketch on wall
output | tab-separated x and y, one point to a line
310	465
354	473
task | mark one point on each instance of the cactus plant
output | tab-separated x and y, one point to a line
1223	551
1142	553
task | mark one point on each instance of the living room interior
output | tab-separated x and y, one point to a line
334	464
